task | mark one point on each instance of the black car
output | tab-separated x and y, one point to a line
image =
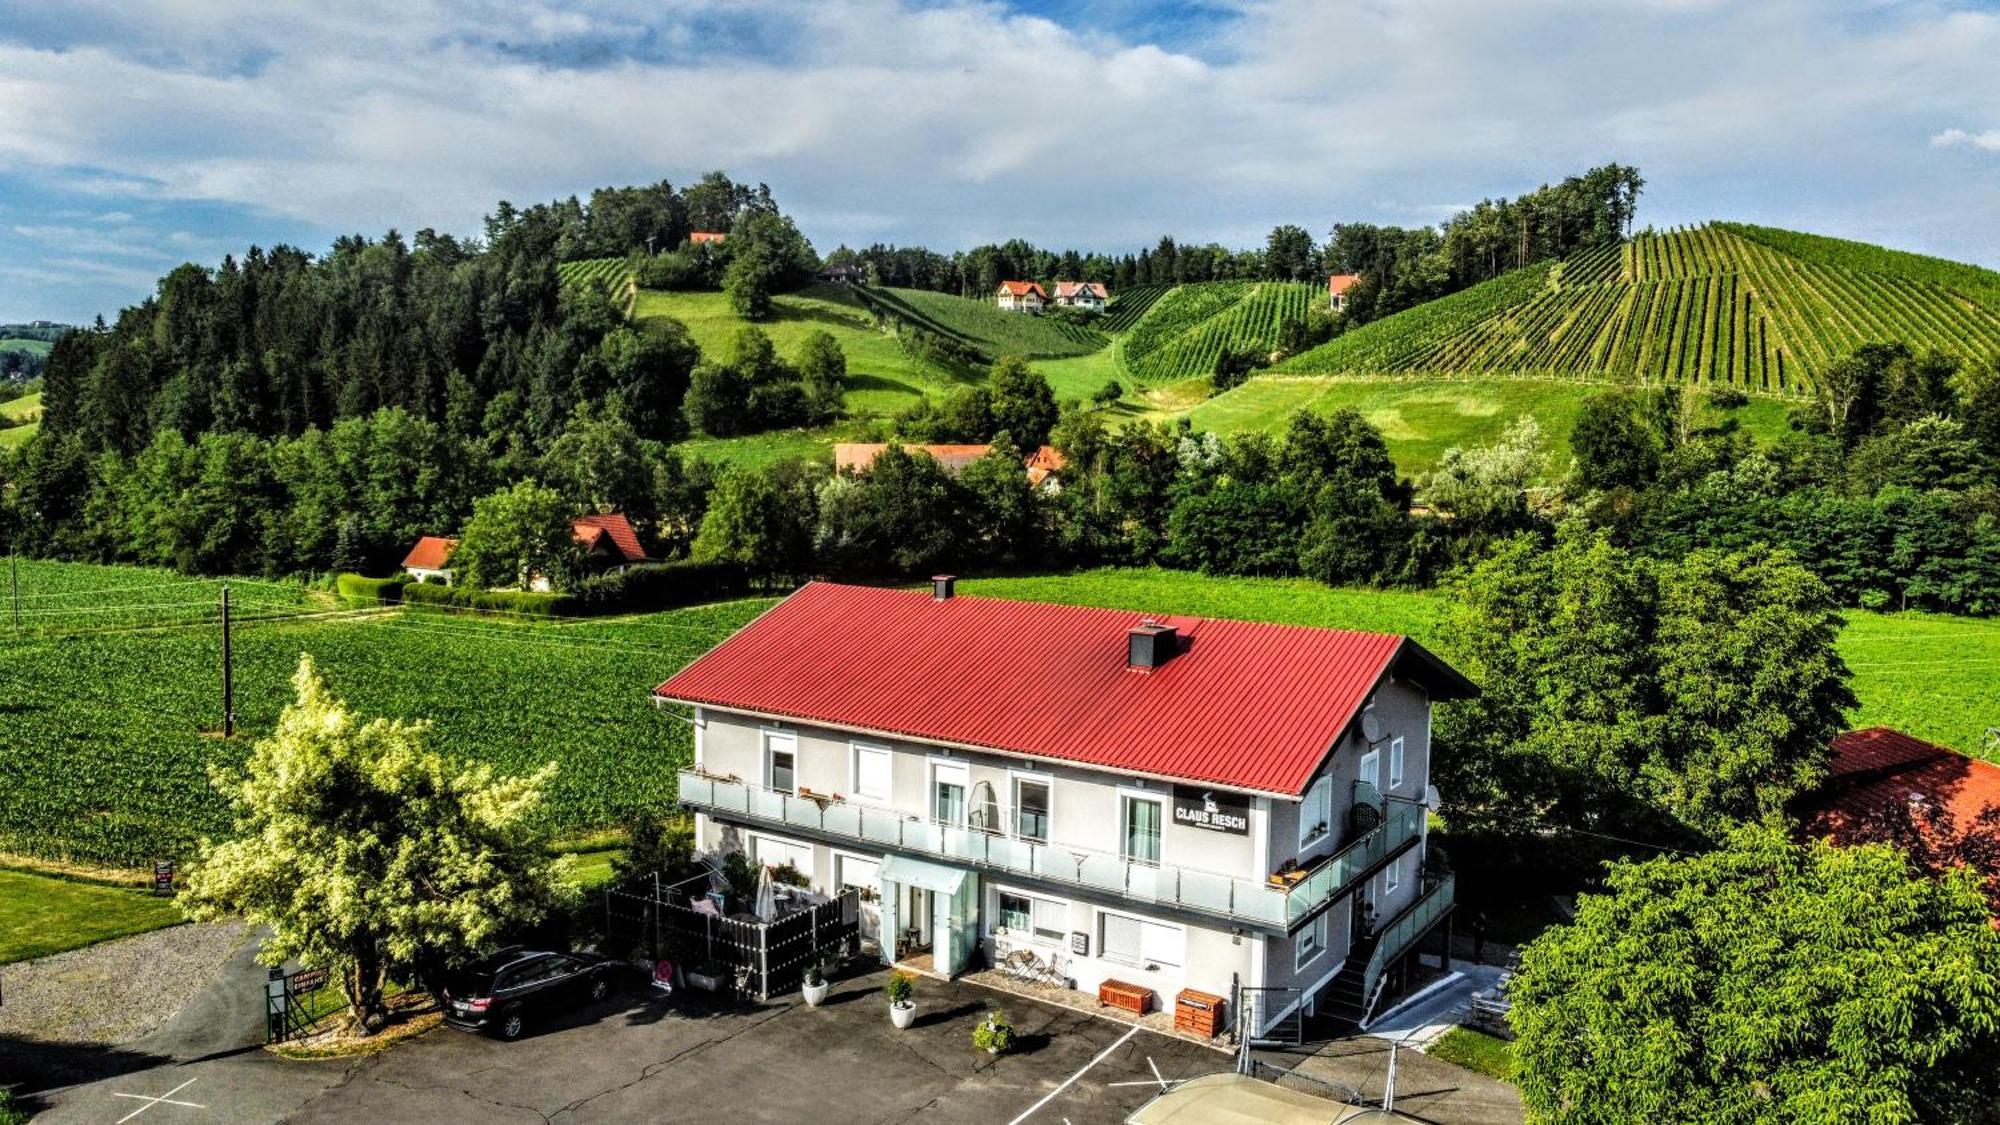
513	988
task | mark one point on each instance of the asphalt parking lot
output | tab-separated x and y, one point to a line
636	1058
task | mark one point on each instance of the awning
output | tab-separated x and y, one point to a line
916	873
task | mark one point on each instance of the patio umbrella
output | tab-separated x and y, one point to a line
767	899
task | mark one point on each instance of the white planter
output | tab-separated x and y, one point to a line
903	1015
816	993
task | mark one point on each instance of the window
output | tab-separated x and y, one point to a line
1142	829
1371	768
1316	812
1031	809
1396	762
1392	876
781	762
948	781
871	772
1025	914
1312	942
856	871
1140	943
773	851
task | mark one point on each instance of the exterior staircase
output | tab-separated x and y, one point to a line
1344	1002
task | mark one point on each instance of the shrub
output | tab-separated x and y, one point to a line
995	1034
656	586
786	875
901	989
357	590
519	603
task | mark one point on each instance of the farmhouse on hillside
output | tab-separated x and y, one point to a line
1154	810
1045	466
1337	287
702	237
857	456
430	559
1021	296
1088	295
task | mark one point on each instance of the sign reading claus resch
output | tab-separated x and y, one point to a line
1212	810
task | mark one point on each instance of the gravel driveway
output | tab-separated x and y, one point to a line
116	991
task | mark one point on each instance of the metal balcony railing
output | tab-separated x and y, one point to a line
1402	932
1231	897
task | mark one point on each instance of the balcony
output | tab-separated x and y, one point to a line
1232	898
1401	933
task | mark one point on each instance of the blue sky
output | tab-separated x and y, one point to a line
136	137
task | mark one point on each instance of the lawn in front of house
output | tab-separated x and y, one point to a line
42	914
1475	1051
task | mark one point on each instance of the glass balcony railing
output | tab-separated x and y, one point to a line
1225	896
1403	931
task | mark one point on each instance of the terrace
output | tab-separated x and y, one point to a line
1273	905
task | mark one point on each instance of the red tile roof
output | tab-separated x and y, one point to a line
1022	289
1249	706
701	236
591	531
1043	463
430	553
1072	288
1879	770
856	456
1340	283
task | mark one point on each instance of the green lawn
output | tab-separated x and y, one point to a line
27	408
1421	417
1935	676
1475	1051
25	345
754	451
40	914
593	869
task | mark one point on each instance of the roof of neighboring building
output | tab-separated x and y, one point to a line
708	236
856	456
1022	288
1341	282
1243	705
430	553
612	528
1044	463
1879	770
1072	288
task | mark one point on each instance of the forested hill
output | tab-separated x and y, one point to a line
1725	304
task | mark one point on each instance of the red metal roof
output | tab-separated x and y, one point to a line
1250	706
593	530
430	553
1877	770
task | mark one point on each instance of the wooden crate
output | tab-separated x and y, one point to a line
1199	1013
1131	997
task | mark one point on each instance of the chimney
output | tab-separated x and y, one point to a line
942	586
1150	644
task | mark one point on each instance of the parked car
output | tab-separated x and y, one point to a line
505	993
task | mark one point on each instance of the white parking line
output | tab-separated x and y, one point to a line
164	1099
1050	1096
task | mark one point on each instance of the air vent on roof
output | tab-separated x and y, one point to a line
943	585
1150	644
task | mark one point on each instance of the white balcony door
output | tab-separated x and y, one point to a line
949	781
781	762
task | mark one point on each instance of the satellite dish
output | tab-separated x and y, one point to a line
1431	799
1371	726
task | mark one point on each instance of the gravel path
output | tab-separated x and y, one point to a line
115	991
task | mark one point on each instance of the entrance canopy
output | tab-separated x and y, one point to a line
916	873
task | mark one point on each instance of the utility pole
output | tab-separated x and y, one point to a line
228	682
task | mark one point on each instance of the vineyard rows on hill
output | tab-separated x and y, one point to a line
1701	305
615	274
1128	305
1253	322
980	325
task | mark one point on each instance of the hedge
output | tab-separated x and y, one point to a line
519	602
656	586
376	591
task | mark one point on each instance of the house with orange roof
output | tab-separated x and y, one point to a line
1045	466
1337	287
1021	296
702	237
430	559
1088	295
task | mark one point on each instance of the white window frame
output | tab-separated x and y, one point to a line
964	771
1396	762
1370	768
1125	797
758	839
1058	910
855	751
839	867
1314	810
768	737
1311	943
1142	961
1032	777
1392	876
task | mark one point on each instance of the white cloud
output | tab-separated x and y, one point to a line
1989	140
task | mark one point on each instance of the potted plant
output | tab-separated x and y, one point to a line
994	1034
816	986
902	990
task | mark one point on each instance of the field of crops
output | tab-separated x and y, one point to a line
1128	305
1155	352
109	733
1980	284
1934	676
1705	305
615	274
982	326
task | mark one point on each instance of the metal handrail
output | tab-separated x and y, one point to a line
1401	932
1211	892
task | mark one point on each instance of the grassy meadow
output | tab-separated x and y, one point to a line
23	417
42	914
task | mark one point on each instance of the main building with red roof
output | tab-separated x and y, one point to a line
1161	801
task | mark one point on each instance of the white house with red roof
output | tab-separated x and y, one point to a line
430	559
1337	287
1153	804
1021	296
1090	295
